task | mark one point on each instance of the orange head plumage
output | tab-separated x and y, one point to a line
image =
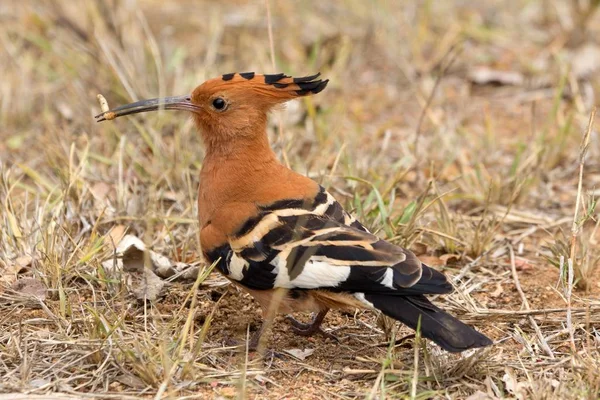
231	107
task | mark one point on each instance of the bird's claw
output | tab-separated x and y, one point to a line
303	329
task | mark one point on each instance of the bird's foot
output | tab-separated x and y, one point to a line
311	329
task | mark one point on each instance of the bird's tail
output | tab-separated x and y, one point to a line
437	325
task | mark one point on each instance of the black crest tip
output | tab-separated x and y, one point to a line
228	77
247	75
272	78
307	78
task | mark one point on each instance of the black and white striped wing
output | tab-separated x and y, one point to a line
295	245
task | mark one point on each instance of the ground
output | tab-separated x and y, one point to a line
453	128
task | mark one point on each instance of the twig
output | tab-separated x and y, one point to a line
516	278
415	378
528	312
575	227
270	31
243	378
452	56
570	279
585	142
534	324
274	66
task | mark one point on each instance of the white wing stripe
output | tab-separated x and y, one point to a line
388	278
317	274
282	277
236	267
337	262
321	208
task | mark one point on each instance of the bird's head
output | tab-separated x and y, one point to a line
230	107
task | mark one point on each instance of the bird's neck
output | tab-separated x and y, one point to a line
233	169
237	146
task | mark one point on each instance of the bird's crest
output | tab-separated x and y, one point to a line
279	82
275	87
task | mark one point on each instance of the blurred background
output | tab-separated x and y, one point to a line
450	127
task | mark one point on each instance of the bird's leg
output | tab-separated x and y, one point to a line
254	341
313	328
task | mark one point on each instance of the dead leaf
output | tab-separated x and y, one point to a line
175	197
8	274
488	76
24	261
117	233
419	248
30	287
447	257
145	281
100	190
163	267
13	225
130	257
10	271
479	395
299	353
585	60
432	261
146	286
104	196
514	387
130	380
133	254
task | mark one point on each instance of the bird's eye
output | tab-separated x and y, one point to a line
219	104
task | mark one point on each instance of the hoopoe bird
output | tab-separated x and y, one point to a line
273	231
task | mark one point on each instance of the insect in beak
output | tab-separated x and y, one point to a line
166	103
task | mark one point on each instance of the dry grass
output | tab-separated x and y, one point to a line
478	175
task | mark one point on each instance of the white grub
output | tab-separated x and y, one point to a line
103	103
104	107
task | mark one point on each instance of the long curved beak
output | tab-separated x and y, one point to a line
166	103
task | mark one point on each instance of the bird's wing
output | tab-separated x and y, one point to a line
299	244
315	244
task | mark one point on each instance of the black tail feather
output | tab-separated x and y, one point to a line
436	324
